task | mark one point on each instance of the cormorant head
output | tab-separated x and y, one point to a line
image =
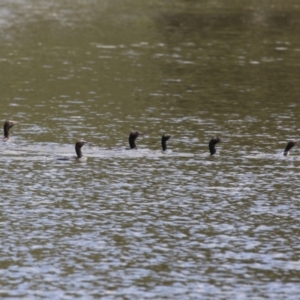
80	143
165	137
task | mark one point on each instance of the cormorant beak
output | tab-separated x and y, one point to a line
13	123
223	141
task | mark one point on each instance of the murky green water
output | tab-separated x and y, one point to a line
142	224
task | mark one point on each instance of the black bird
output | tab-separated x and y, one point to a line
289	146
7	125
78	146
132	137
212	144
164	140
79	154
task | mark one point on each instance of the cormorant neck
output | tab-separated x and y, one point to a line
212	149
132	143
6	132
78	151
212	144
164	140
6	127
289	146
132	138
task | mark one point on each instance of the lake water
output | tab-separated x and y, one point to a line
142	224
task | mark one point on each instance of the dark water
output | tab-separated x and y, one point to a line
144	224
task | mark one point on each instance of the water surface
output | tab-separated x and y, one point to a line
144	224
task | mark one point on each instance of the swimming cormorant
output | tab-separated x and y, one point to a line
78	146
7	125
132	137
212	144
164	140
289	146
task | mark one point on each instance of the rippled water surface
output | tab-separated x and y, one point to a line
143	224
